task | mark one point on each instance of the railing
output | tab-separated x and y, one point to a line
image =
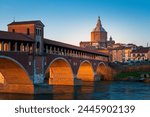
15	47
93	57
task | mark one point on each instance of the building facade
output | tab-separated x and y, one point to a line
140	54
118	51
32	29
120	54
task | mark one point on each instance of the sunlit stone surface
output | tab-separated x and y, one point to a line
2	80
17	79
60	73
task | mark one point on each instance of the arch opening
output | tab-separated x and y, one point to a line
60	73
101	71
2	80
86	72
14	76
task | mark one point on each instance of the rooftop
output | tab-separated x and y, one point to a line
60	44
99	26
14	36
37	22
141	50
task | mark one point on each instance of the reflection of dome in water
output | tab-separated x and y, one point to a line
1	78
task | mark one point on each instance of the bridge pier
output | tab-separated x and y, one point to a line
97	78
38	78
77	81
38	70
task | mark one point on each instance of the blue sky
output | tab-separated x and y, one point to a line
71	21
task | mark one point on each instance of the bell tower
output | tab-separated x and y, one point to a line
39	35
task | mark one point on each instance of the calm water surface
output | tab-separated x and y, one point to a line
103	90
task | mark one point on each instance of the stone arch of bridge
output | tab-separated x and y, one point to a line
101	70
85	71
59	72
14	77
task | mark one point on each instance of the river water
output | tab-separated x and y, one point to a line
103	90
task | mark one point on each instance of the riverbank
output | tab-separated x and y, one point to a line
141	76
135	72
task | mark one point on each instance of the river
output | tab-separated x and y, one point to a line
103	90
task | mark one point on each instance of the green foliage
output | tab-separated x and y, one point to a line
131	74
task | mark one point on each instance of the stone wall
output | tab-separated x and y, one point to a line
116	69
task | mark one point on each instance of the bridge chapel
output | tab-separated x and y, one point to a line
32	29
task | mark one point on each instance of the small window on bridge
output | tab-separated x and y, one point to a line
28	31
38	44
13	30
38	32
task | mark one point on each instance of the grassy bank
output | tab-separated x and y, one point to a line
134	74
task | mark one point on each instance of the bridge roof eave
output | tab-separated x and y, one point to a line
15	37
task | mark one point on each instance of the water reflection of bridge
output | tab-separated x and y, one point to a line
27	58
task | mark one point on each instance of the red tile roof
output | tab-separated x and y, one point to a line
27	22
60	44
120	48
15	36
87	42
141	50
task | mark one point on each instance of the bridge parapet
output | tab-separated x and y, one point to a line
75	53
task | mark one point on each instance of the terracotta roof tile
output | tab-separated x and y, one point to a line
141	50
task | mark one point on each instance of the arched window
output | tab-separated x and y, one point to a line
0	46
39	30
37	47
36	31
38	44
2	81
5	46
28	31
13	30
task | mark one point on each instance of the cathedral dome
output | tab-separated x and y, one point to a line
99	26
